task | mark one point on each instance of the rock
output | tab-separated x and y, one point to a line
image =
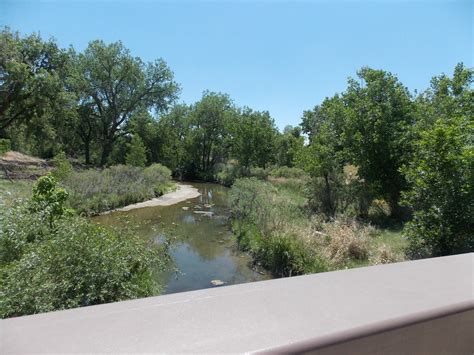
217	283
185	208
197	207
207	205
204	213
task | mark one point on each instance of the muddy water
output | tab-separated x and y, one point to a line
202	245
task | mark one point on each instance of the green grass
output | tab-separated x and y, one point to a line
393	238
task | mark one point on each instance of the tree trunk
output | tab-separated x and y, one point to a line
106	150
87	152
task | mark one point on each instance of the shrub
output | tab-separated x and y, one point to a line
77	264
345	240
384	255
258	173
136	152
264	223
442	195
69	263
5	145
94	191
287	172
228	173
63	167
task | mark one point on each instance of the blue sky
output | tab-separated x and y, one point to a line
280	56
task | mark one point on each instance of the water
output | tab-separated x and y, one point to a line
202	246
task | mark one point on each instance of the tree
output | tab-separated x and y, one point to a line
136	155
209	134
377	132
113	86
173	142
323	158
288	146
31	77
441	174
253	138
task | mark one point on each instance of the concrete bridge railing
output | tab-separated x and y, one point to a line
416	307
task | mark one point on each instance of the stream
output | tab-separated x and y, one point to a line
202	245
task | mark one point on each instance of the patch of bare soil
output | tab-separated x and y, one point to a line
16	165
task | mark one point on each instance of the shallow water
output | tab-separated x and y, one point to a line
202	246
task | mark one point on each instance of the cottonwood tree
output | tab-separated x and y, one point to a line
441	173
209	134
377	132
115	85
253	138
32	73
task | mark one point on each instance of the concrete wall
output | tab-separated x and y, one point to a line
417	307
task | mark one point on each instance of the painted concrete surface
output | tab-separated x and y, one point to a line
299	313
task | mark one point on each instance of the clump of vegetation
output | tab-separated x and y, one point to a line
287	172
52	260
62	167
5	145
384	255
136	155
345	240
442	179
263	221
271	222
95	191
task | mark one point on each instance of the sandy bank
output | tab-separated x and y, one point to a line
182	193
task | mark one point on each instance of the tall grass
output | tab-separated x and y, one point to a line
272	223
94	191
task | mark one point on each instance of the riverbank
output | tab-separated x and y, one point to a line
182	193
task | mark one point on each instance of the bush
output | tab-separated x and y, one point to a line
95	191
63	167
69	263
264	224
228	173
384	255
136	152
442	196
346	240
287	172
5	146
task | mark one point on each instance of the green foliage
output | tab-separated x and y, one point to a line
288	146
263	220
75	264
442	195
209	118
95	191
441	173
63	167
52	260
141	86
228	173
287	172
378	133
136	155
253	139
32	70
49	200
5	145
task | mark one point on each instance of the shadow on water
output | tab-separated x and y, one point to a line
202	245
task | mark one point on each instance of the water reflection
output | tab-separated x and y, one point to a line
203	247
